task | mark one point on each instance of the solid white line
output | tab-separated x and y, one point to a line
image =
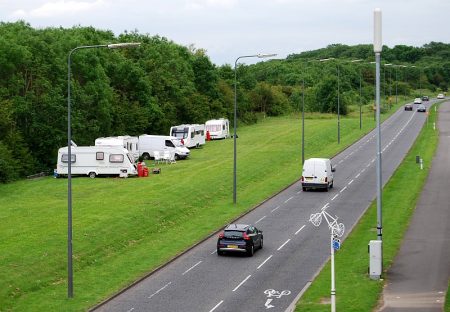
264	262
368	165
241	283
279	248
325	206
343	189
357	176
364	169
350	182
260	219
192	267
334	197
217	305
275	209
298	231
161	289
288	199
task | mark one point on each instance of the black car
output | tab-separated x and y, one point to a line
241	238
408	107
425	98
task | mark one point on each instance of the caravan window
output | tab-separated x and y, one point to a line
180	133
192	134
116	158
169	143
65	158
223	127
100	156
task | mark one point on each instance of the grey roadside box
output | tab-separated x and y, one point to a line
417	159
375	259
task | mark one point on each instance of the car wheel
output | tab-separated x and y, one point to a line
304	189
92	175
177	157
262	243
146	156
219	252
251	251
332	184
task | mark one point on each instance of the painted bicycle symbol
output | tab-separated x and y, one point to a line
277	294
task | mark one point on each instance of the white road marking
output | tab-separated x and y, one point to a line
213	252
325	206
264	262
373	160
288	199
341	161
237	287
161	289
279	248
350	182
368	165
343	189
335	196
275	209
192	267
298	231
260	219
130	310
357	176
217	305
299	192
364	169
352	153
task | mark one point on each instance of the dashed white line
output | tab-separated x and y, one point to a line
264	262
288	199
216	306
335	196
275	208
260	219
350	182
357	176
213	252
343	189
299	192
373	160
298	231
364	169
192	267
325	206
368	165
130	310
352	153
161	289
237	287
341	161
284	244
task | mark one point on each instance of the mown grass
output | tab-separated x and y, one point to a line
355	290
123	228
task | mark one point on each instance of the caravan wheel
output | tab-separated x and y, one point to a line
92	175
146	156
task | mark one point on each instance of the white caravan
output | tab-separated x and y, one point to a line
317	173
149	144
96	160
189	135
218	128
125	141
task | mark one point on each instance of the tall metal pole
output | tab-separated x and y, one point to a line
338	109
333	285
303	118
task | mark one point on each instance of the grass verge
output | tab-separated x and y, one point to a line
355	290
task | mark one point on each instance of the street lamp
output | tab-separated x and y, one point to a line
69	151
235	113
377	48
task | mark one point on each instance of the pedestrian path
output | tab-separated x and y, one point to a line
419	276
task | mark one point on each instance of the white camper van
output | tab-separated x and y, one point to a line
149	144
96	160
317	173
218	128
189	135
125	141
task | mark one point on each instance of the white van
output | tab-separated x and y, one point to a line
96	160
125	141
189	135
317	173
218	128
149	144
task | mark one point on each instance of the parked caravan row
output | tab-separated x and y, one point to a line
218	128
96	160
125	141
189	135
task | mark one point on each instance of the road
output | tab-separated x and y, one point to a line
294	250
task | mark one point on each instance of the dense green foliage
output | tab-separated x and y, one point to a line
160	84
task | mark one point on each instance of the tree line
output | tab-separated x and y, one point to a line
160	84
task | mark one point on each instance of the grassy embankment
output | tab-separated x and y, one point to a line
355	291
124	228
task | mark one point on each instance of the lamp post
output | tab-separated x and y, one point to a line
377	48
303	118
69	156
235	114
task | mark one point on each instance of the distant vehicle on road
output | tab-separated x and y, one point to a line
317	173
425	98
408	107
421	108
218	128
241	238
189	135
440	96
417	101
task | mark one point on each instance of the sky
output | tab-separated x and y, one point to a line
227	29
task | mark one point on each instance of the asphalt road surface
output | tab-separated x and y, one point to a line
294	250
418	279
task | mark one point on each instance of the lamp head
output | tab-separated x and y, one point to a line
262	55
377	44
123	45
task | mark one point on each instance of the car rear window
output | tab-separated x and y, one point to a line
233	234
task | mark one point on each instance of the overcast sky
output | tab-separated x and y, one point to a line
231	28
